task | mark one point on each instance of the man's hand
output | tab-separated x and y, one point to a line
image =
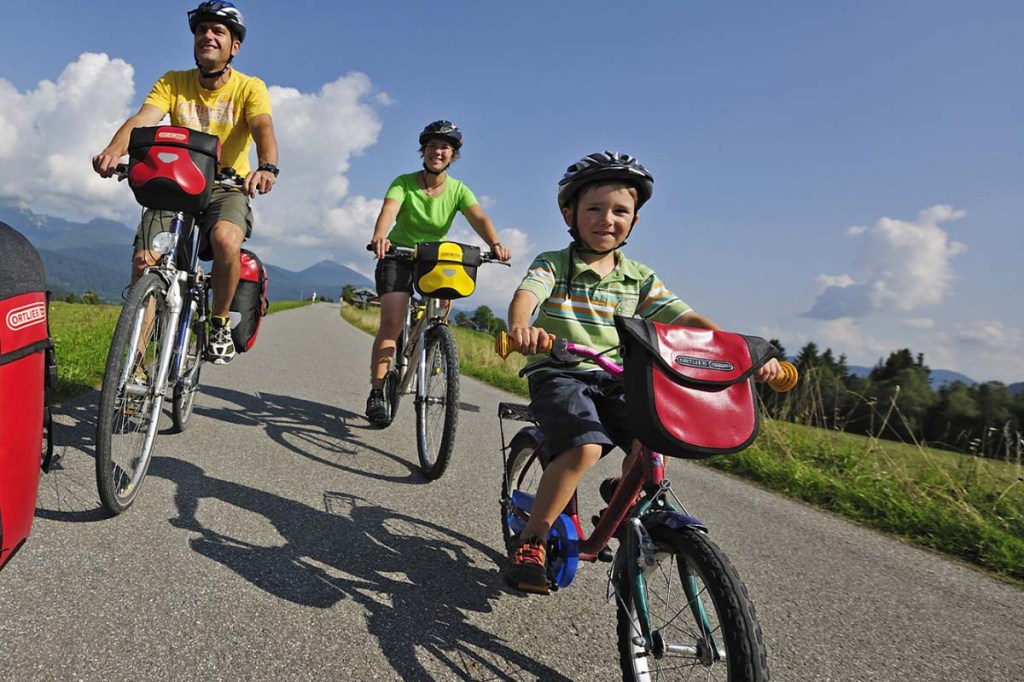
105	163
259	181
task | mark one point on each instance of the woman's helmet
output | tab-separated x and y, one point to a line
443	129
602	166
223	12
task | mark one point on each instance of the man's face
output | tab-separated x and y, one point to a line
214	43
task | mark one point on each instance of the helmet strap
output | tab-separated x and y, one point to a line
214	74
430	172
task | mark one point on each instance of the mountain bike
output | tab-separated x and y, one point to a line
158	348
427	364
682	610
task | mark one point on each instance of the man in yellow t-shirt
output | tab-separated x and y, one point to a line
216	99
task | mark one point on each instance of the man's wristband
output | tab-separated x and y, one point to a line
269	167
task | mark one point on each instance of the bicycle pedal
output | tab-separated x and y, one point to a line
605	555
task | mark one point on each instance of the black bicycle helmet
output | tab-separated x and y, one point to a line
443	129
223	12
605	166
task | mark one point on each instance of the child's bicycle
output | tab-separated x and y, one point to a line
427	346
682	610
158	348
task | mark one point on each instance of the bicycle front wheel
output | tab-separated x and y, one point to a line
702	621
129	400
437	402
187	385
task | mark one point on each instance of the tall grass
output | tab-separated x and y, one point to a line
81	338
967	507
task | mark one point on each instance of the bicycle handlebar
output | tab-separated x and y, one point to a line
562	352
406	253
227	177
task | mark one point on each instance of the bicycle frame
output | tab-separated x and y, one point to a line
174	338
419	320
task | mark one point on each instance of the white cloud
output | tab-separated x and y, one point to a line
49	135
905	265
919	322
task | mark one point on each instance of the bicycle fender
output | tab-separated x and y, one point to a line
672	519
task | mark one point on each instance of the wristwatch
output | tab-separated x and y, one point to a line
269	167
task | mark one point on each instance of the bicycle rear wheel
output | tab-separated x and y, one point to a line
129	402
702	621
437	402
186	387
523	470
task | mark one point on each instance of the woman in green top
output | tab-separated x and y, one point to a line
419	207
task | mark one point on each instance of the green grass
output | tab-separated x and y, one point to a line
81	337
966	507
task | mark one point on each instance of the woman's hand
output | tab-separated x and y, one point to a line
380	246
501	251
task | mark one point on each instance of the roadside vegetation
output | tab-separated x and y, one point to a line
965	506
81	336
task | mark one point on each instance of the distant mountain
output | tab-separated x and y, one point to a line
1016	388
326	278
96	256
937	379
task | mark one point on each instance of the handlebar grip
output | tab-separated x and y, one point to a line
503	345
786	381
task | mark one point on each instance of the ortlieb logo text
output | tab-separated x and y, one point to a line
704	363
26	316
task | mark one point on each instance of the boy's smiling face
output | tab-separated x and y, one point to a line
605	215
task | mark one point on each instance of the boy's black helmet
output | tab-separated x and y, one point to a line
223	12
444	129
602	166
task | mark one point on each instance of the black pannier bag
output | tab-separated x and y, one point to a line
250	303
689	391
446	270
171	168
27	367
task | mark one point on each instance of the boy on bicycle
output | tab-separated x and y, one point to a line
216	99
575	292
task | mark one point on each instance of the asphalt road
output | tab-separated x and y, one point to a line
281	538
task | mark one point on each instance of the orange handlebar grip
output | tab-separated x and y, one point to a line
786	381
503	345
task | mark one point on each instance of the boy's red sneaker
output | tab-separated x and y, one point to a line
527	566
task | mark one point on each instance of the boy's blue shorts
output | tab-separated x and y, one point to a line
576	408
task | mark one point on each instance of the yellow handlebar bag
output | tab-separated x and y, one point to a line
446	270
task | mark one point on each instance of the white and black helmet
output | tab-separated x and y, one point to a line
603	166
222	12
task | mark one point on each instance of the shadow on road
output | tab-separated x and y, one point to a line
305	427
414	579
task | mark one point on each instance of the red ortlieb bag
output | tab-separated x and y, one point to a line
171	168
26	367
689	391
249	306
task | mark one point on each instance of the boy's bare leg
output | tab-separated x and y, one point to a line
557	485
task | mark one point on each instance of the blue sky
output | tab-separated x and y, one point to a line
844	173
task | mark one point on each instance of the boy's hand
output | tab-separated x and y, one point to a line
769	371
530	340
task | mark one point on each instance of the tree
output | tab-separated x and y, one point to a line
348	293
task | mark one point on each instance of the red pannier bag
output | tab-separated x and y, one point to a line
249	306
689	391
171	168
27	366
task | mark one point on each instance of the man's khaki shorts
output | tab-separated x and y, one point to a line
225	204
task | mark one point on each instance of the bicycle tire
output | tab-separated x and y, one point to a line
522	472
686	556
186	387
122	456
437	403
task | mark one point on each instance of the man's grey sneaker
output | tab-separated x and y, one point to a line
377	408
220	349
